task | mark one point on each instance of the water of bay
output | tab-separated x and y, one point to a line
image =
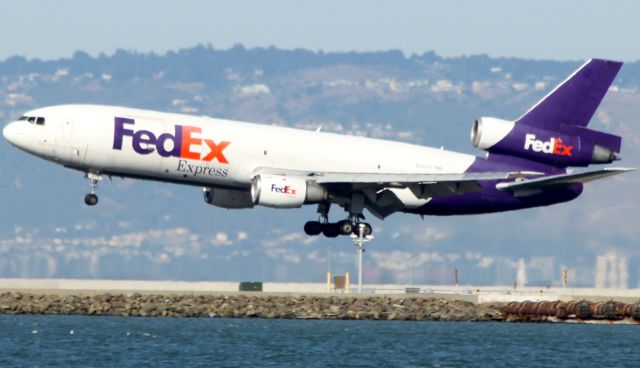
83	341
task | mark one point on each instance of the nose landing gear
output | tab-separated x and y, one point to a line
91	199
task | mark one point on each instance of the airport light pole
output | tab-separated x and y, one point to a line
359	241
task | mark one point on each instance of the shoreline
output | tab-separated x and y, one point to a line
319	307
250	305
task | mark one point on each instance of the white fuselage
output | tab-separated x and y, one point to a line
212	152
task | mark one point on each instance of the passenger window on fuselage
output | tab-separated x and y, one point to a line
40	121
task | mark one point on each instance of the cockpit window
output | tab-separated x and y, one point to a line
38	120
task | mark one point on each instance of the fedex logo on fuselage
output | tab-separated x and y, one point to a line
182	142
554	146
284	190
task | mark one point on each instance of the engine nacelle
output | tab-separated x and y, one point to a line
285	192
565	145
228	198
486	132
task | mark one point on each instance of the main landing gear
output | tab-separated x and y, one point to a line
352	225
333	230
91	199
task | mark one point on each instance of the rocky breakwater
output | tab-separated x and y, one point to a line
249	306
572	312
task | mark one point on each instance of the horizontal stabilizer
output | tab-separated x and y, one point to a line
534	186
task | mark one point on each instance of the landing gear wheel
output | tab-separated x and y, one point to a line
330	230
366	229
313	228
91	199
345	227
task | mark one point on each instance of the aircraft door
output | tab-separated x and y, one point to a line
65	148
67	128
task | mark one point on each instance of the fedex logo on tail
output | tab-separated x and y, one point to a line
554	146
284	189
184	143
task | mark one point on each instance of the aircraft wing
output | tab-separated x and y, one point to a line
422	185
533	186
386	193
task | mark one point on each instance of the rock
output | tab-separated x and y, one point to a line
335	309
363	315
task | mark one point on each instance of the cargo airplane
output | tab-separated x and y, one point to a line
528	161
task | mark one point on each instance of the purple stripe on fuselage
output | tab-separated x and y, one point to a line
491	199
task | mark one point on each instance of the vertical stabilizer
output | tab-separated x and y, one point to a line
554	131
575	100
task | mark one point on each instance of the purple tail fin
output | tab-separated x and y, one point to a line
575	100
554	131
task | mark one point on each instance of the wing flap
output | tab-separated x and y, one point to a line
405	179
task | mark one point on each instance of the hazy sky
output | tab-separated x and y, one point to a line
543	29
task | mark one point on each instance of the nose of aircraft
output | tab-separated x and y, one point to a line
11	132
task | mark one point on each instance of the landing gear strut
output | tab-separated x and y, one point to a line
91	199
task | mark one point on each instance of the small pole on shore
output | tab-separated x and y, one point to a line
360	252
347	278
328	281
359	241
455	276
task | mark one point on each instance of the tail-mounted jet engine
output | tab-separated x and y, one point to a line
564	145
